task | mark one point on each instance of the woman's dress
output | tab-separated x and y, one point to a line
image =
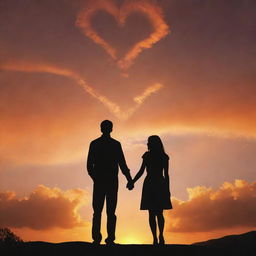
155	192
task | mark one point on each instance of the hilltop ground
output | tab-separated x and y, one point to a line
236	245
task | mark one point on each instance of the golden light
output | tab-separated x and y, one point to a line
131	240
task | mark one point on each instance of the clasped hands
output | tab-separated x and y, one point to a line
130	185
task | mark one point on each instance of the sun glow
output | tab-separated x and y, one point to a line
131	240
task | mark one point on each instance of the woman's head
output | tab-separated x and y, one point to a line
155	144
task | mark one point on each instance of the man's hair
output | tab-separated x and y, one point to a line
106	126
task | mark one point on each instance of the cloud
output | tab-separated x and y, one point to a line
84	22
113	107
209	87
155	16
185	108
150	90
139	100
39	127
230	206
51	69
44	208
152	11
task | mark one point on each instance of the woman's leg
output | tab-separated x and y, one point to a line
160	220
152	224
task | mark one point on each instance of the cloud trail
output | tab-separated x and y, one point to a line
152	11
155	15
84	19
150	90
113	107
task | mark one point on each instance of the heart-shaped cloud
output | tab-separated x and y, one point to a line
152	11
113	107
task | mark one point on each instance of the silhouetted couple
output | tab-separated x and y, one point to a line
104	159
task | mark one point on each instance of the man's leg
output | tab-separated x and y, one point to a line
97	203
111	199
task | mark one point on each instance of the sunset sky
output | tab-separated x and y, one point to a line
184	70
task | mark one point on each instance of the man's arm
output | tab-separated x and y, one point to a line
122	163
90	161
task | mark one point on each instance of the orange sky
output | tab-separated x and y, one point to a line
182	70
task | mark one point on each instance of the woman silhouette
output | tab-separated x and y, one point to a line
156	190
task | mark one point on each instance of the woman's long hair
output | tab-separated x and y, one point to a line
155	144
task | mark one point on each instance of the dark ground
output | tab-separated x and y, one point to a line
237	245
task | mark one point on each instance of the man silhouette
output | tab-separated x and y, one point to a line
104	157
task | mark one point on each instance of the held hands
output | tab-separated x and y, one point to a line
130	185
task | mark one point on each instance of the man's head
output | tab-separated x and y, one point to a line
106	127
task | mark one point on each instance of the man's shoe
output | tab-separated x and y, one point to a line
109	242
96	242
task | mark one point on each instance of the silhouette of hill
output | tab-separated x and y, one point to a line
238	245
242	243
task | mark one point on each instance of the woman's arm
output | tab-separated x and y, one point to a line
140	172
166	174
